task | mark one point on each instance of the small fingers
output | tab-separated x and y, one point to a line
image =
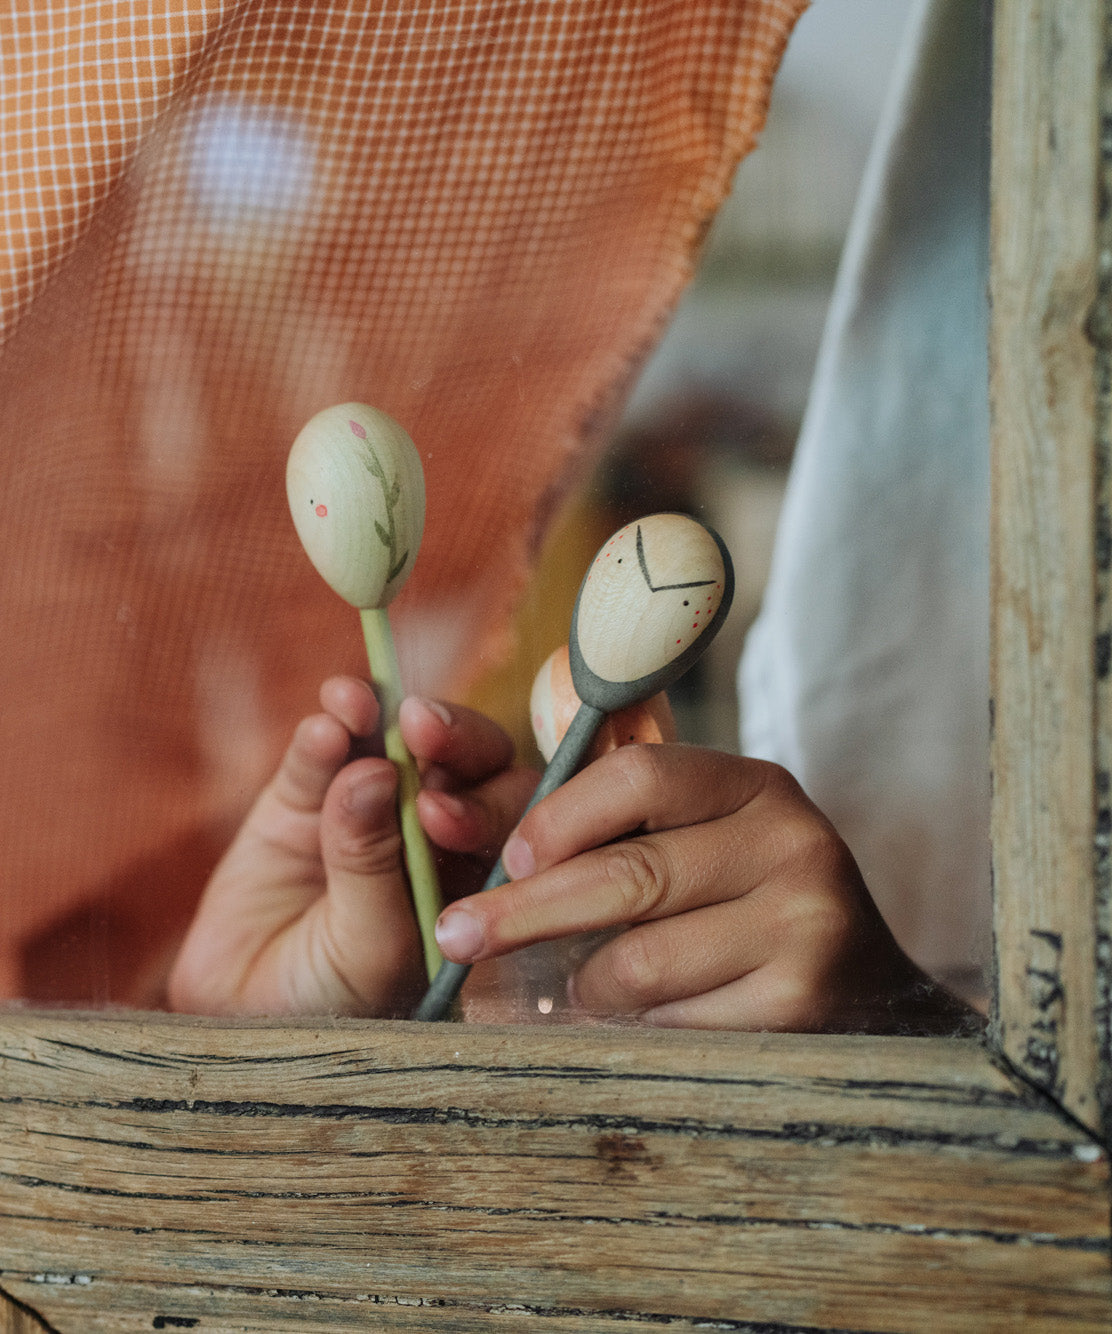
639	789
478	821
456	746
772	960
658	962
352	703
645	832
633	880
316	753
370	937
766	1000
320	746
471	795
359	828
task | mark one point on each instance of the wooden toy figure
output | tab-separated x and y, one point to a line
356	490
553	704
651	602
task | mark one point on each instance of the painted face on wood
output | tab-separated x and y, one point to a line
653	590
356	490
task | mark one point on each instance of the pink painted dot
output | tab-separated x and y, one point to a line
321	511
358	430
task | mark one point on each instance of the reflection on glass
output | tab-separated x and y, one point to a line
163	612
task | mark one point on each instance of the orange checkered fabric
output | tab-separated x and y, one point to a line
217	218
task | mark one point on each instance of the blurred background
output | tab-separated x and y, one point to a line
712	422
711	426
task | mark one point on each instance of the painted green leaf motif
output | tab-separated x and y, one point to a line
398	568
391	494
373	466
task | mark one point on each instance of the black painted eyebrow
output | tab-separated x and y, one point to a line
662	588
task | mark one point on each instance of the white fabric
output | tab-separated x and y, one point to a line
866	673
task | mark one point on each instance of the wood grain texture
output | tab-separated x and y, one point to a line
1100	329
1044	272
264	1178
16	1319
348	1176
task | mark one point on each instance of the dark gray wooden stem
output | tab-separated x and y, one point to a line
444	989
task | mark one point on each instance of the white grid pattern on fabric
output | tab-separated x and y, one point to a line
218	218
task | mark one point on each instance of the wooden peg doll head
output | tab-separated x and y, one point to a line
356	490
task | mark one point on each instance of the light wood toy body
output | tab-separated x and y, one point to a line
357	495
356	491
644	609
553	704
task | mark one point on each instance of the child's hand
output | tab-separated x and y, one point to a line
744	908
309	910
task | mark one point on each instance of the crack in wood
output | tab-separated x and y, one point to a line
539	1214
362	1059
523	1310
1047	999
788	1131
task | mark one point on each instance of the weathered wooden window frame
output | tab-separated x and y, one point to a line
163	1174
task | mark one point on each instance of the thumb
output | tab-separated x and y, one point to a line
370	935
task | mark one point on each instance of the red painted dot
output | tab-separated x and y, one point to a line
321	511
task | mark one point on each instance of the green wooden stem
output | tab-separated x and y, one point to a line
423	884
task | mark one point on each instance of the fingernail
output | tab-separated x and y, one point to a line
367	799
459	935
517	858
449	804
435	707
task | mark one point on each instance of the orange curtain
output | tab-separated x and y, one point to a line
217	219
